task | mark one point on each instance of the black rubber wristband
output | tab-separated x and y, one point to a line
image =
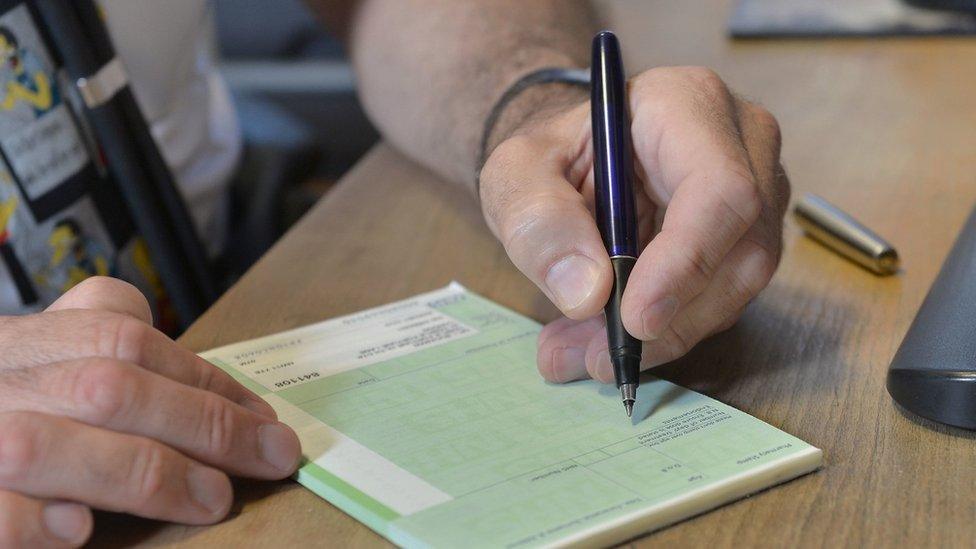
550	75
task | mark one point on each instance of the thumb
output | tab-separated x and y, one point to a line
542	221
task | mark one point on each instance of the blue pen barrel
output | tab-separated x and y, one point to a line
616	213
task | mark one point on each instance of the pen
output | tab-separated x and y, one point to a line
616	215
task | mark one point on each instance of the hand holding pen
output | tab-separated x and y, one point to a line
709	196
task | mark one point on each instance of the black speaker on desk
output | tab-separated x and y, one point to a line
933	373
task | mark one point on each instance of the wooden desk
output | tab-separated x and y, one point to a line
883	128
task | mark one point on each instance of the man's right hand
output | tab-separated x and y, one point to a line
100	410
710	195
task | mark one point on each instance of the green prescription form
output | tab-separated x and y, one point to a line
427	421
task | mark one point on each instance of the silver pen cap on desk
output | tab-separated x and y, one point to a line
843	234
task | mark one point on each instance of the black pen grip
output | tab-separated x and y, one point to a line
621	343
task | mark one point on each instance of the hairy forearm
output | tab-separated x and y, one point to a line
429	71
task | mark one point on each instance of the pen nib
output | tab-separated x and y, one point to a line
628	394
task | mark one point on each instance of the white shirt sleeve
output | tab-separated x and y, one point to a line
168	49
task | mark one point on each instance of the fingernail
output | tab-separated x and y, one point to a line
568	363
572	280
209	488
259	406
603	370
658	316
69	522
279	446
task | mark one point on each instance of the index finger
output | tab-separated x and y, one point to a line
59	336
128	399
686	138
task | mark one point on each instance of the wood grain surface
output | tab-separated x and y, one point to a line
886	129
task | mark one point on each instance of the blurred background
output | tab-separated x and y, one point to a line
302	124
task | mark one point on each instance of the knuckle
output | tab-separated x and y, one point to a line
728	322
741	196
103	285
122	337
18	446
767	122
98	290
781	189
531	234
510	150
768	262
207	378
707	87
217	423
763	265
147	473
104	389
671	94
695	77
695	265
660	88
675	344
706	79
524	220
644	82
